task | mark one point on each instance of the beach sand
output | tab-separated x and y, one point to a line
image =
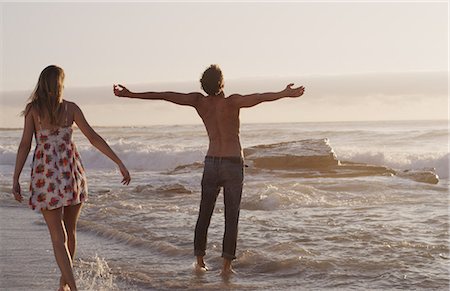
27	261
26	255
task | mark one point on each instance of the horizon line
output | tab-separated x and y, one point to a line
246	123
254	78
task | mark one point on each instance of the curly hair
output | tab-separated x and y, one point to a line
212	80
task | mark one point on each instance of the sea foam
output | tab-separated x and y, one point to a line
403	161
299	154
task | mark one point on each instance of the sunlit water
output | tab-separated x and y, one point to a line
322	232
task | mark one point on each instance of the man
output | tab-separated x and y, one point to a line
224	160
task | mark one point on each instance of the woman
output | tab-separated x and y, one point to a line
58	182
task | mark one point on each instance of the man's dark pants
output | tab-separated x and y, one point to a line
226	172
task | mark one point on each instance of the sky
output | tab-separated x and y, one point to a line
338	50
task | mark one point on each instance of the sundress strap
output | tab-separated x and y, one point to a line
65	123
39	121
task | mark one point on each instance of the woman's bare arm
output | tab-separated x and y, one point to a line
22	153
97	141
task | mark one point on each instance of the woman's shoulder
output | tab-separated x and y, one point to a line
72	108
70	104
30	108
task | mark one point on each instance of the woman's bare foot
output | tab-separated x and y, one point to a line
63	285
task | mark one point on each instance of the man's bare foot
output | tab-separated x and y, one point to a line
226	272
200	265
201	268
226	269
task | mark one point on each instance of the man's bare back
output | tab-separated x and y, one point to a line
221	119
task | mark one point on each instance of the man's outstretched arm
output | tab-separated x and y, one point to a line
243	101
188	99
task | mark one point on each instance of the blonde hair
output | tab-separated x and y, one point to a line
47	95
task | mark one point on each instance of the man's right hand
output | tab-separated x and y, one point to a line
121	91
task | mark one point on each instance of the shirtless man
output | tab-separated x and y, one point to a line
224	162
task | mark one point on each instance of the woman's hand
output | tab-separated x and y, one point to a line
125	174
17	192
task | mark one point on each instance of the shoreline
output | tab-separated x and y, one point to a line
26	254
27	261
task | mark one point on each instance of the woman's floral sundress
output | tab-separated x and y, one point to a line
57	174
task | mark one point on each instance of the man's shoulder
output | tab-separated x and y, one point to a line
197	95
234	99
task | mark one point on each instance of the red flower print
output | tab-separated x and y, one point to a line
55	132
48	159
66	138
69	153
40	183
40	169
51	187
39	154
67	188
49	173
41	197
54	201
61	195
43	138
63	162
66	175
62	147
46	146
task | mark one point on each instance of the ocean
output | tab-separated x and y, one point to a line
326	206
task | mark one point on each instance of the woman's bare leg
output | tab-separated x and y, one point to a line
55	225
70	218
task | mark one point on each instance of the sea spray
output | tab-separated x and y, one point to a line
94	274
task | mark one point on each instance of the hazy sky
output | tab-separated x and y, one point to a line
98	44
